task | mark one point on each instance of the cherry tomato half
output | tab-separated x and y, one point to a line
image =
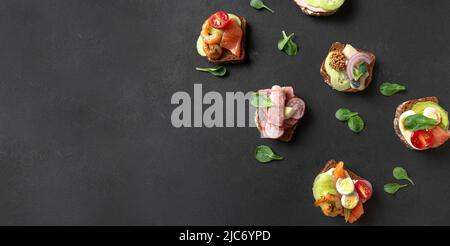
422	139
219	20
364	189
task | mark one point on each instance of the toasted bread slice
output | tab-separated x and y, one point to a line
405	107
288	133
337	46
310	11
228	57
332	164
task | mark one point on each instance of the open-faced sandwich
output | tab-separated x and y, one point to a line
347	69
421	123
339	191
278	112
222	38
319	7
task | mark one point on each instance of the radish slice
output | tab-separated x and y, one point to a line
354	60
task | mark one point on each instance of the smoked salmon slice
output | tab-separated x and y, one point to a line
232	38
440	136
356	212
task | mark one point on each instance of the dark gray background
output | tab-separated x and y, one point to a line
85	131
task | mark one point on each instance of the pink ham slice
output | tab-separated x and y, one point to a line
289	92
299	107
273	131
267	130
261	120
276	112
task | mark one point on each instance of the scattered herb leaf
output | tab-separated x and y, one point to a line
356	123
216	71
282	43
264	154
259	4
259	100
344	114
287	45
401	174
389	89
418	122
393	188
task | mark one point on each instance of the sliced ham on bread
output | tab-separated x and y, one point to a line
271	122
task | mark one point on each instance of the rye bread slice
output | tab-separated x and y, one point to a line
309	11
228	57
332	164
337	46
288	133
405	106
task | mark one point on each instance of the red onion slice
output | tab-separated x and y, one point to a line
356	59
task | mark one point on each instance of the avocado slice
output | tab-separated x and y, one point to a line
324	184
419	107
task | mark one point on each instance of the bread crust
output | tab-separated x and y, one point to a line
228	57
332	164
337	46
405	106
308	11
311	12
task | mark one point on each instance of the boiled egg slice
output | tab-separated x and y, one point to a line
432	113
350	201
345	186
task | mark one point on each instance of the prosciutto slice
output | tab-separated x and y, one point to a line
276	112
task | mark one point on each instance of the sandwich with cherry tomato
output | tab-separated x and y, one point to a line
222	38
340	192
422	124
348	69
319	7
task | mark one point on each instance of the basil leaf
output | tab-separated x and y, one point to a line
259	100
259	4
344	114
216	71
282	43
287	45
400	173
264	154
418	122
393	188
362	69
291	48
356	123
389	89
